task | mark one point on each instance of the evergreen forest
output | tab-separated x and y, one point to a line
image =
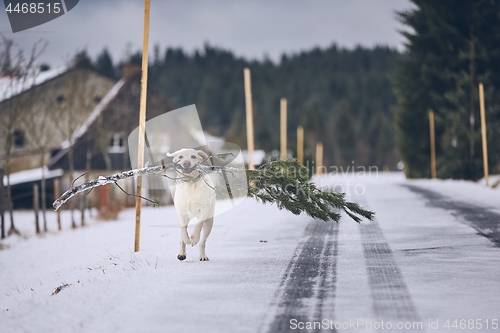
369	106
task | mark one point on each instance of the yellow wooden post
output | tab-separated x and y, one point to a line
300	145
319	158
249	109
283	115
433	144
36	206
483	132
142	124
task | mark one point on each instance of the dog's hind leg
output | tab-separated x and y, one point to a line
207	228
182	253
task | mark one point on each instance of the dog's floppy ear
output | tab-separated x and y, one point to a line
204	157
170	154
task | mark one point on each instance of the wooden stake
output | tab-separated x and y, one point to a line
57	194
82	210
433	144
142	124
83	203
300	145
483	132
3	205
36	207
283	135
249	108
319	158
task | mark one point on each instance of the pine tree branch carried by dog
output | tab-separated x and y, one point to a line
283	182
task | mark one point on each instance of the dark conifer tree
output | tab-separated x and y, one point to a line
453	47
104	65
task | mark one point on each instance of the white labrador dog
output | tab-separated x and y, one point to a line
194	197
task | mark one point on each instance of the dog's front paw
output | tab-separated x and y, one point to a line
181	257
203	258
194	239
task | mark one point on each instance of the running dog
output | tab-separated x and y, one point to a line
194	197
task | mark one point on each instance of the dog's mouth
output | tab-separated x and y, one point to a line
186	169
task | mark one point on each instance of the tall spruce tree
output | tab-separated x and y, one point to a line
104	65
452	47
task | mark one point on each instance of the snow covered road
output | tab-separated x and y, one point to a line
431	255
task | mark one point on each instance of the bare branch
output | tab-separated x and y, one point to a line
83	174
137	196
101	181
146	171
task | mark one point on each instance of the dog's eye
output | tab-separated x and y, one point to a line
180	157
192	156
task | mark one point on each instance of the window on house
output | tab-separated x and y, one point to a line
117	143
18	139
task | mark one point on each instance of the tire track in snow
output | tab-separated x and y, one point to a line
309	281
485	221
390	295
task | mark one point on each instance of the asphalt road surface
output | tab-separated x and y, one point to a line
437	269
429	262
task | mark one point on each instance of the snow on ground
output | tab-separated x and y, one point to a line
446	268
493	181
111	288
474	192
450	270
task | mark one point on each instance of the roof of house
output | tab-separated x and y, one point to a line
99	109
11	86
32	175
95	113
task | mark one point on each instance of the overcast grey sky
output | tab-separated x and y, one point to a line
249	28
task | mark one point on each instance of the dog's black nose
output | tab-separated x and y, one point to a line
186	164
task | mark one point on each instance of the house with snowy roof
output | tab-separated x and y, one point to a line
83	120
99	145
36	115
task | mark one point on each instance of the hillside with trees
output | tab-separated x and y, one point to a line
341	97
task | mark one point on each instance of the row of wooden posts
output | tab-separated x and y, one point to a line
250	133
283	149
483	136
36	205
283	130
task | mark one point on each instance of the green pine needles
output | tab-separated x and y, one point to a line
286	183
283	182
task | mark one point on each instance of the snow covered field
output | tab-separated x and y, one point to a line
418	256
113	289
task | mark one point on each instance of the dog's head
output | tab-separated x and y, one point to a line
188	159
